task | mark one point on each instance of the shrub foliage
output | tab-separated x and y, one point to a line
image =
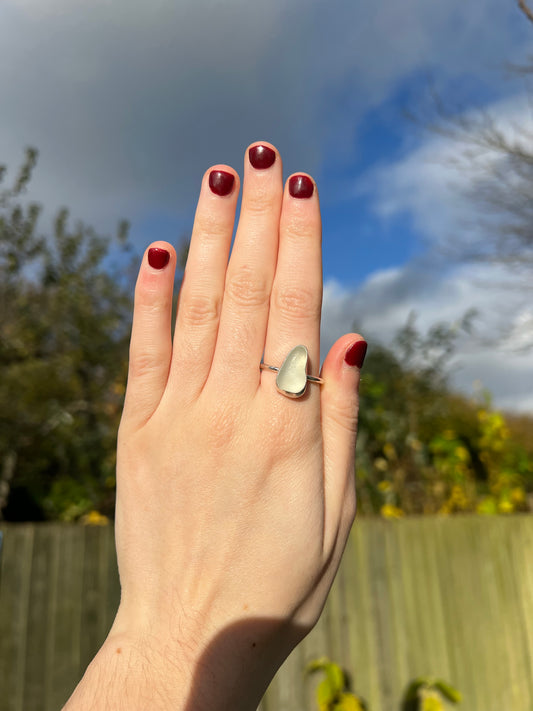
66	301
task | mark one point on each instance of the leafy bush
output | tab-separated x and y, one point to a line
66	304
333	692
423	449
422	694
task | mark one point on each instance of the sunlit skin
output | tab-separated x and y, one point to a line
234	502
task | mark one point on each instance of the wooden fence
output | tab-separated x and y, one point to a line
449	598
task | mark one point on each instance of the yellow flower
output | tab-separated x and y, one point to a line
458	500
518	495
391	512
505	506
384	485
432	702
119	388
389	451
497	420
457	493
462	454
94	518
381	464
487	506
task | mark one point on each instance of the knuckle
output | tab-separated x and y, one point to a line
262	202
199	309
151	299
143	364
344	415
299	228
210	228
247	289
300	303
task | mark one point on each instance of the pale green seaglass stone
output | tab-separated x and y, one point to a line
291	379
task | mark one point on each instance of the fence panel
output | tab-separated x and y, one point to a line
448	598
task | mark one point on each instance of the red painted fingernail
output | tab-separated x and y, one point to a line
355	355
300	186
158	258
261	157
221	182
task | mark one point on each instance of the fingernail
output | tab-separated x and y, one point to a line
158	258
221	182
300	186
261	157
355	355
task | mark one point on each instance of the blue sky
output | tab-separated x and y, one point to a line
130	101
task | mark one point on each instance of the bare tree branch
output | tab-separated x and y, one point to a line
525	9
493	163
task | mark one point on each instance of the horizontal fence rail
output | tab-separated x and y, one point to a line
450	598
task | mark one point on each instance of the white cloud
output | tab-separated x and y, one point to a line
435	195
384	302
433	183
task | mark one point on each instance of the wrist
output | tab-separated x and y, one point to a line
133	671
125	675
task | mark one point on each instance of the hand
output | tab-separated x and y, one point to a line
234	502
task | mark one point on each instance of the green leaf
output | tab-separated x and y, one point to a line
334	673
415	686
325	695
317	665
336	678
448	691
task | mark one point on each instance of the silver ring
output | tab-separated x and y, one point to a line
292	378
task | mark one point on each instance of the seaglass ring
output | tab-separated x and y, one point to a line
291	379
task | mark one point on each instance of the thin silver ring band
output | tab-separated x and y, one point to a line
311	378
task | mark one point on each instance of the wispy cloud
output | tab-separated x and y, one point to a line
494	354
434	191
434	182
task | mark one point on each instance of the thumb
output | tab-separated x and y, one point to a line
339	405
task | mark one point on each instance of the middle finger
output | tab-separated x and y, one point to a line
251	269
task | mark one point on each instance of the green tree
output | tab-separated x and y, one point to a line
423	448
405	401
64	331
